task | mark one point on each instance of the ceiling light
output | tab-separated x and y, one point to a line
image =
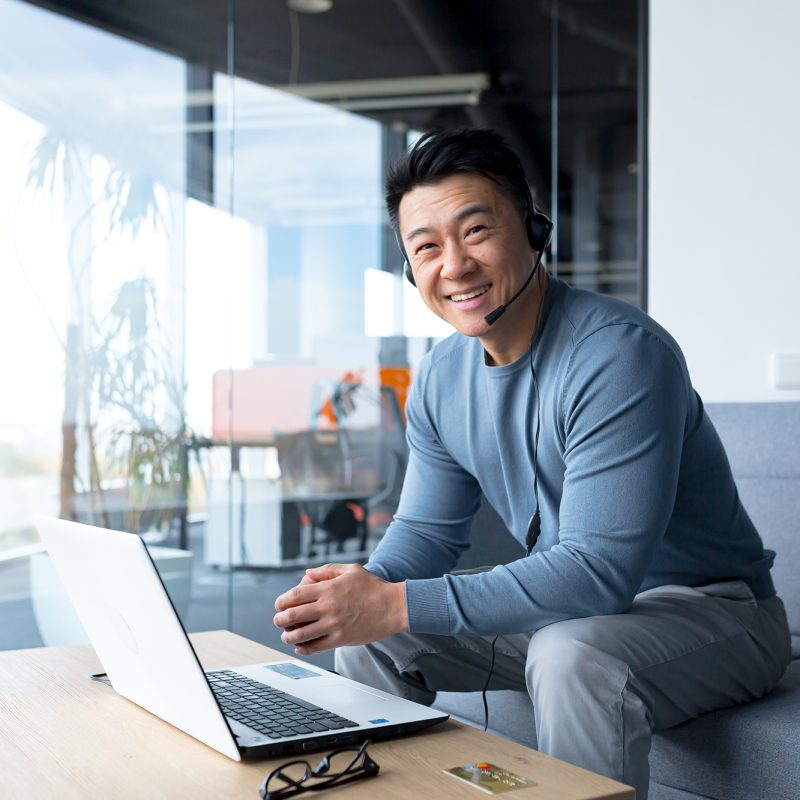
310	6
421	91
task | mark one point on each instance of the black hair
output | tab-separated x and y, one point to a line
440	154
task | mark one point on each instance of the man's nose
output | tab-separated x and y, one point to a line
455	262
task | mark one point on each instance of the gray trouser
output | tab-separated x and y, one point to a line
601	685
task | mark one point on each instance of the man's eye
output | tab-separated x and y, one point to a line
476	229
426	246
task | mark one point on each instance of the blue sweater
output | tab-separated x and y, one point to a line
634	485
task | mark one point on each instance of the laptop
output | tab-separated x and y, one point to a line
257	710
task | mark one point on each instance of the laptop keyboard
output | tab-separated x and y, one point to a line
270	711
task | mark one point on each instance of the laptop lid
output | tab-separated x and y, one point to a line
131	622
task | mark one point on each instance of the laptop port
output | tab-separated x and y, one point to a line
309	745
347	738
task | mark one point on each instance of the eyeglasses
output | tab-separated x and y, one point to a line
341	766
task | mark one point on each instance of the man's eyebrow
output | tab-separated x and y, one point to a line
417	232
478	208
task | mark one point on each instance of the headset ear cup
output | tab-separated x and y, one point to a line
540	231
406	266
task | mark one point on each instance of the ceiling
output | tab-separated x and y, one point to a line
509	40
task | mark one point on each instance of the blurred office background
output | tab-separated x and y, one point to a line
206	338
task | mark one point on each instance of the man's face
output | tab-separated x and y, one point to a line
467	247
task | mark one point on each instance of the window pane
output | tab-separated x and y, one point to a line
92	303
212	340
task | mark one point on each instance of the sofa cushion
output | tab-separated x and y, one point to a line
738	753
763	441
660	792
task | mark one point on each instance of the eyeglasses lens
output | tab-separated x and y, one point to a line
286	779
340	762
293	773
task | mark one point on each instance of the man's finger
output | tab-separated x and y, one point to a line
297	616
326	572
314	647
298	595
292	627
305	634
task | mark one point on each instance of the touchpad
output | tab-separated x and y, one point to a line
340	698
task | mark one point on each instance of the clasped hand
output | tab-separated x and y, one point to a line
337	605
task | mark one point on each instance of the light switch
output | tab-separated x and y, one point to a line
785	369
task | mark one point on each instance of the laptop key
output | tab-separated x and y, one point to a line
330	724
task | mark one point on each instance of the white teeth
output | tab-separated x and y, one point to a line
459	297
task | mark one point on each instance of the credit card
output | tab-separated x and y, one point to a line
489	778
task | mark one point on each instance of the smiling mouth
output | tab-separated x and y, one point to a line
459	298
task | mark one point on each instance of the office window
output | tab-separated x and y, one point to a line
92	303
209	341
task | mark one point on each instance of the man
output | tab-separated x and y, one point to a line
647	598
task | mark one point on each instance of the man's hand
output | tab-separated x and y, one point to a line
340	604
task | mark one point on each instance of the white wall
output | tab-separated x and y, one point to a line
724	195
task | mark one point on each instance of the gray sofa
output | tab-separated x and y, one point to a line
743	753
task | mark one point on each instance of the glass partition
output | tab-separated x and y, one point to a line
209	341
92	240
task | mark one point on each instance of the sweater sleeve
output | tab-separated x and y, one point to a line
439	499
623	410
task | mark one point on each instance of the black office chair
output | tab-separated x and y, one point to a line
346	480
329	483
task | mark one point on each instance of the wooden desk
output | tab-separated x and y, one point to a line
63	736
